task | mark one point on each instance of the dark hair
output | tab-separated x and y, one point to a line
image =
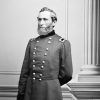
53	14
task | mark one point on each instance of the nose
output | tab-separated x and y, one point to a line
42	22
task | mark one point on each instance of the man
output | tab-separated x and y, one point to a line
47	63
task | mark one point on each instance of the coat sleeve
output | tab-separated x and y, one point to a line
65	71
24	74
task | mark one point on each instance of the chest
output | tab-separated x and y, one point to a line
45	48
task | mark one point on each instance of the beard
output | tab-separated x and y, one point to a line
44	30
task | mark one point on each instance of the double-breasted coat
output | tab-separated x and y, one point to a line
47	65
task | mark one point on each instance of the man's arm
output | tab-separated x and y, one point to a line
65	71
24	74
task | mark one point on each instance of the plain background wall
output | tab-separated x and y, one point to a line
18	23
76	29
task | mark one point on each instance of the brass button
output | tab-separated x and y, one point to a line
34	53
37	41
33	65
33	78
47	49
33	73
45	54
42	67
40	79
43	61
49	42
40	74
50	38
35	48
33	60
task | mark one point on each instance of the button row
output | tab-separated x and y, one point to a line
42	61
38	79
45	54
46	49
34	78
40	66
39	74
48	42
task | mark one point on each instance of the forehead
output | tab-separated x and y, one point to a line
45	14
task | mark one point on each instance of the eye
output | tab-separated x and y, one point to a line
39	19
45	19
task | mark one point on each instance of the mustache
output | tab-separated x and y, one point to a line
48	27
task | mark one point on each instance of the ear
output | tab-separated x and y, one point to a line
53	23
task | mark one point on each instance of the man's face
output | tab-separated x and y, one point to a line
44	22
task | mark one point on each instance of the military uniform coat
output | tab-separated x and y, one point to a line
46	67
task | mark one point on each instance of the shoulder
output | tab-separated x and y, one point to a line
64	42
31	39
61	39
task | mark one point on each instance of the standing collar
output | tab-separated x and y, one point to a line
47	35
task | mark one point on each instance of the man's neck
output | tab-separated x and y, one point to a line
48	34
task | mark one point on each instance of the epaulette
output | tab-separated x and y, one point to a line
61	39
